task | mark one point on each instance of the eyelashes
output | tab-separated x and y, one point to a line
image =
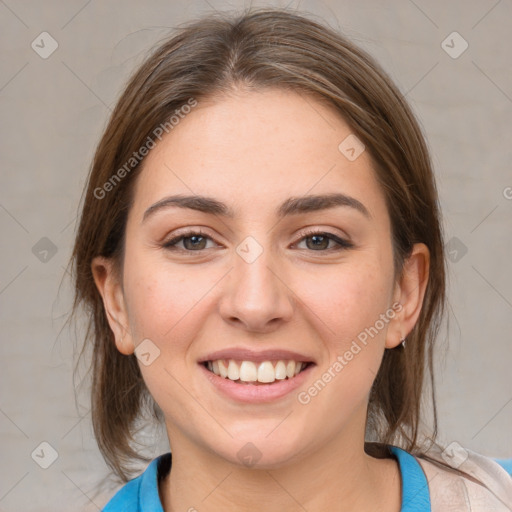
341	243
173	242
318	237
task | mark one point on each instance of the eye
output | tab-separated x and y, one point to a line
192	240
320	241
195	241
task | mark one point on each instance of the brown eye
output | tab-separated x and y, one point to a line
320	240
192	241
195	242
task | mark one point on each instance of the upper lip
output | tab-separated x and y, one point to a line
245	354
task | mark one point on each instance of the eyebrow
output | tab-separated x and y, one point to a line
292	206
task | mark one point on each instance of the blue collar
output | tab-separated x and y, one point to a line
415	493
149	499
144	489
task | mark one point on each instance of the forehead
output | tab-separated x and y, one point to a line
255	149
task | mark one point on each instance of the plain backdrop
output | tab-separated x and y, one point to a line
53	112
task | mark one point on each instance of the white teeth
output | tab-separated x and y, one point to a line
266	372
290	369
280	370
223	369
248	371
233	370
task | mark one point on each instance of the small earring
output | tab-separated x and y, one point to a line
402	342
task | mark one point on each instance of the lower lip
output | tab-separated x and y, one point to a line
260	393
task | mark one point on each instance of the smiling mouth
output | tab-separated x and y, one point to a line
251	373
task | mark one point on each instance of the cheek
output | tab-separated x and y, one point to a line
352	315
347	300
164	308
351	307
160	294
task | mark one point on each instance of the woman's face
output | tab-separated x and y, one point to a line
257	284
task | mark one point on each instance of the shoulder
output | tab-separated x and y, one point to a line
126	499
461	479
141	493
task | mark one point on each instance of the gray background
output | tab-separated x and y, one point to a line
53	111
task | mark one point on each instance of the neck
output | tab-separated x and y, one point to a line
337	475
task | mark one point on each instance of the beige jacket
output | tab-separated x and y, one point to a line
462	480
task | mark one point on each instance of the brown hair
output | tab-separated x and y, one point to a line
261	48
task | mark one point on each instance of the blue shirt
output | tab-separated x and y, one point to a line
141	493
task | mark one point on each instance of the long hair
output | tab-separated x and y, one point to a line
210	57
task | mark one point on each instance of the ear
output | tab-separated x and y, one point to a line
409	292
110	287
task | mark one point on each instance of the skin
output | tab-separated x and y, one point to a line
253	150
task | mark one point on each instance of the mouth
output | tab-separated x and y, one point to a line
256	373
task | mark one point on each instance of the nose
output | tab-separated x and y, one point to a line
256	296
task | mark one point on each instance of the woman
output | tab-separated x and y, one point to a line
261	256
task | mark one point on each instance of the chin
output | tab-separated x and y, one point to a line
259	451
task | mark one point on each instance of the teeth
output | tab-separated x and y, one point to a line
233	370
223	370
280	370
248	371
290	369
266	372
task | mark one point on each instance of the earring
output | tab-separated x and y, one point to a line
402	342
